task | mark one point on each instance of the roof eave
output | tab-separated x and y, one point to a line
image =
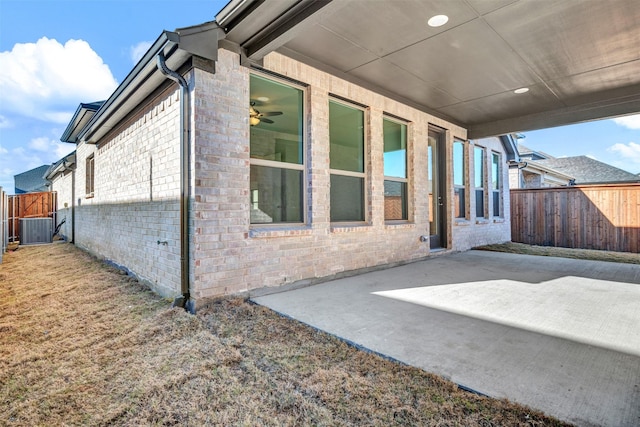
81	117
177	47
532	165
510	147
60	166
232	10
145	64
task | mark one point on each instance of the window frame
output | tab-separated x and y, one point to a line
405	180
464	186
275	164
496	188
90	175
352	174
483	178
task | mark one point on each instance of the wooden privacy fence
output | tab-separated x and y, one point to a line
30	205
605	217
4	222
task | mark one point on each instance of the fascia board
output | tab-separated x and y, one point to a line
142	69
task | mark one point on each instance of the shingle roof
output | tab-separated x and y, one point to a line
526	152
589	171
31	180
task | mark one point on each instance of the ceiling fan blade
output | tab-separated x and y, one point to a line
272	113
265	120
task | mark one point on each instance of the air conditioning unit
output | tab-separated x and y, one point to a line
36	230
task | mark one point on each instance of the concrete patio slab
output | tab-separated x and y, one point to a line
559	335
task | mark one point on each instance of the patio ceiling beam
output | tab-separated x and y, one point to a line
559	117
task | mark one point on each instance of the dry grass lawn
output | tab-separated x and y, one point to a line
83	344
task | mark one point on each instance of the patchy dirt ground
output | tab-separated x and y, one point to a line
83	344
521	248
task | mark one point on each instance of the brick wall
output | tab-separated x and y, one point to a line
473	231
135	203
232	256
515	180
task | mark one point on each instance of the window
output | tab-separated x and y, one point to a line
478	179
276	151
495	183
395	170
89	175
459	172
346	162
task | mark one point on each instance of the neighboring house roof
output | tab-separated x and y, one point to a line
586	170
539	168
60	166
528	153
31	181
510	147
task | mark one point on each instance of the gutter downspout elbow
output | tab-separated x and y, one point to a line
185	300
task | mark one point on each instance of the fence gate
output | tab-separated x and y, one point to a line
30	205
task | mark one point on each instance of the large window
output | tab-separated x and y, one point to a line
89	175
346	162
459	173
495	183
478	179
277	152
395	170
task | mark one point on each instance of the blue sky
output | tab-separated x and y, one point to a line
55	54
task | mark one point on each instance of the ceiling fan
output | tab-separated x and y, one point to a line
255	116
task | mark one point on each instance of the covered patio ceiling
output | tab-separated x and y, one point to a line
579	59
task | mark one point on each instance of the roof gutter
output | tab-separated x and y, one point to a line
185	300
140	73
232	10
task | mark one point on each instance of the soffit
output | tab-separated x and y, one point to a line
580	58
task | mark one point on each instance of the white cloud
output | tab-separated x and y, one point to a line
62	149
40	151
54	150
629	156
4	122
631	122
47	80
40	144
138	51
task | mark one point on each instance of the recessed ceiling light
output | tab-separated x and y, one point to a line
263	99
521	90
438	20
